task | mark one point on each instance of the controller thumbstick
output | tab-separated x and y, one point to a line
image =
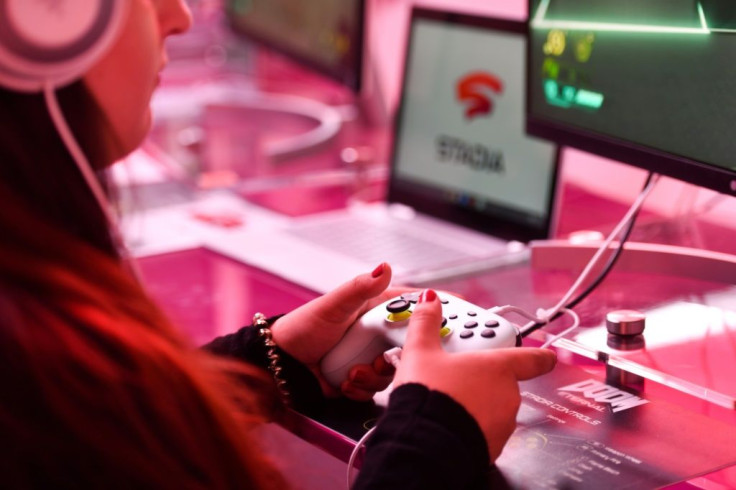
398	310
398	306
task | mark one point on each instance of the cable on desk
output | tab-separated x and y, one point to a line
614	256
626	224
575	324
358	446
393	357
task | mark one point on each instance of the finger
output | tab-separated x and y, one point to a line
353	392
363	377
529	362
383	367
351	297
425	323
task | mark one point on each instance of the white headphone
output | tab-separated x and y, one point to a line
47	44
54	42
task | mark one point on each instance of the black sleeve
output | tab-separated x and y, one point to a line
425	440
246	345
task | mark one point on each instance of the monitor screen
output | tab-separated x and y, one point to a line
324	35
647	82
459	142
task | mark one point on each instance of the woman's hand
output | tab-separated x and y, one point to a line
309	332
485	382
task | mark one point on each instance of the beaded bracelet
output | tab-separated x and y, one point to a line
274	360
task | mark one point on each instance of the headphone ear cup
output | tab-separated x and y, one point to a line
54	42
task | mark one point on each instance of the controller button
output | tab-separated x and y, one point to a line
398	306
488	333
410	297
444	301
472	313
492	323
444	321
466	334
471	324
398	317
445	331
453	317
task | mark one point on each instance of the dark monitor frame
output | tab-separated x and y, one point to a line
353	82
422	198
647	158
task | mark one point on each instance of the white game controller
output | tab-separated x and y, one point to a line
465	327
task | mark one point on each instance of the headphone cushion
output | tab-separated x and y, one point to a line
55	43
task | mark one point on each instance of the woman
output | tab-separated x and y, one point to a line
99	390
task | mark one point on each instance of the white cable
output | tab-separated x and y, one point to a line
604	246
635	207
575	324
77	154
67	137
358	446
393	357
501	310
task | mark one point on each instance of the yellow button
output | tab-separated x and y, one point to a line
397	317
445	331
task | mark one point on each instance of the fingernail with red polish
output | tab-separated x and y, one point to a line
378	271
427	296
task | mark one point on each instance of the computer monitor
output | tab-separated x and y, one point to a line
324	35
651	83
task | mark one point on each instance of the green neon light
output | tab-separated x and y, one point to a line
701	14
704	22
541	12
539	22
569	96
586	98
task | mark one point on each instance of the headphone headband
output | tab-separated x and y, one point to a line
54	42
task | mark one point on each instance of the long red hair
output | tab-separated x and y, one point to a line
98	389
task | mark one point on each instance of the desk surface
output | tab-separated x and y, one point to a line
209	294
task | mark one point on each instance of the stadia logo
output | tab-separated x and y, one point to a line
473	90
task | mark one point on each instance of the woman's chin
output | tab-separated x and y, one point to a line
128	143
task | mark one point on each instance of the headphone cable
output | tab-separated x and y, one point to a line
66	135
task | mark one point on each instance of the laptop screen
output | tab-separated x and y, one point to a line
460	148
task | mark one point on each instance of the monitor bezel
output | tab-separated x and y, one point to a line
355	84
